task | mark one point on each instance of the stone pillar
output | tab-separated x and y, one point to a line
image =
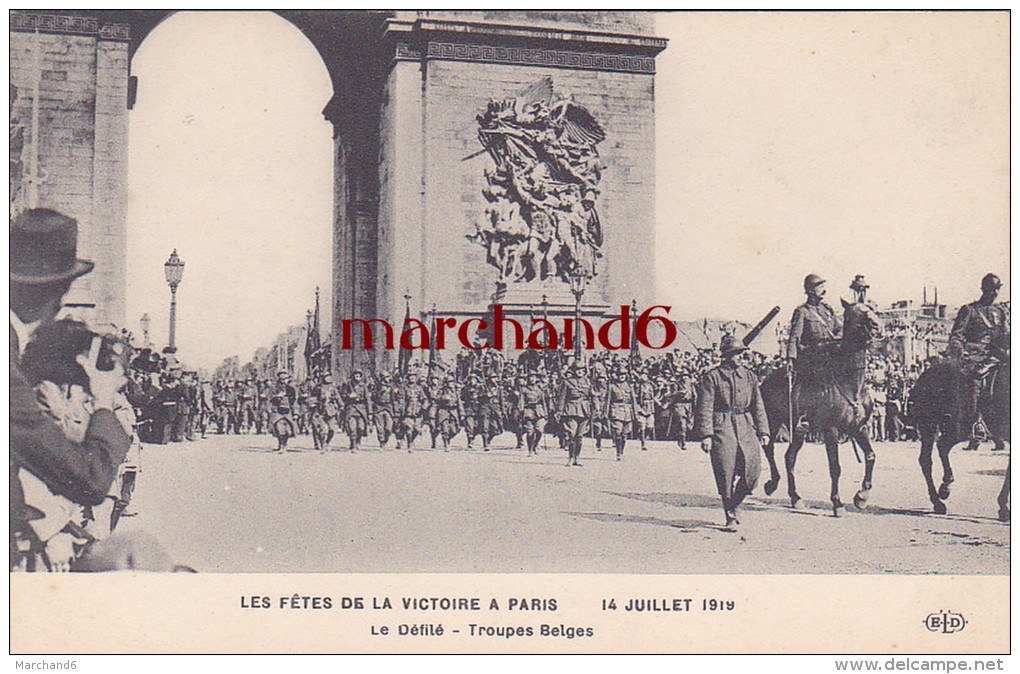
68	91
401	192
354	114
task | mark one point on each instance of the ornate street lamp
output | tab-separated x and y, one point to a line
578	281
174	269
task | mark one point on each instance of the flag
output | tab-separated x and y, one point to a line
313	342
404	359
635	352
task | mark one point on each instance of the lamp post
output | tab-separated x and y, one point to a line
145	322
578	281
174	269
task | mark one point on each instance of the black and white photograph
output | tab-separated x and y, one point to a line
504	292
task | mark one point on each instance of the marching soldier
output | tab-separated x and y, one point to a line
263	405
574	409
487	410
731	423
431	393
325	409
683	408
411	408
448	411
249	406
468	399
600	419
533	412
384	399
357	401
815	332
978	343
644	390
620	408
282	422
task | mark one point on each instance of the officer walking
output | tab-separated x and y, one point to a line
730	420
574	409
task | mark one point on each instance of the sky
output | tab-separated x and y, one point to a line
231	163
787	144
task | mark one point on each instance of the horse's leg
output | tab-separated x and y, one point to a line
774	477
832	453
945	443
925	459
1004	495
791	463
861	497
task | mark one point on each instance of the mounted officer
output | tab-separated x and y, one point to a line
978	343
815	332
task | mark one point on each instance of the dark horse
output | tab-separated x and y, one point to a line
938	413
838	405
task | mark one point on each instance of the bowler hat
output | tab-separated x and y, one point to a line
44	248
731	345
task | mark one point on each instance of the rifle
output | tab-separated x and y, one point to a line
762	324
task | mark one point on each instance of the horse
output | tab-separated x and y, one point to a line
839	405
938	412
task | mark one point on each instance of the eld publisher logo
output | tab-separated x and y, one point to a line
945	622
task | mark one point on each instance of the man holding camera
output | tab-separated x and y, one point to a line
44	263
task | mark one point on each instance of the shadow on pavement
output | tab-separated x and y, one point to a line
686	526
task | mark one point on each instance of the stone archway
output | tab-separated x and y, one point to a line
407	87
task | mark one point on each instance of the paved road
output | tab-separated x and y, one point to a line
230	504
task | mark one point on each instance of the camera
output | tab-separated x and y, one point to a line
52	354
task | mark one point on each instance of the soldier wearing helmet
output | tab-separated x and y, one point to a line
815	331
979	341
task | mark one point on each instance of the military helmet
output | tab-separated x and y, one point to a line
812	281
990	282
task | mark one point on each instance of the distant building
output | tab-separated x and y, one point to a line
916	332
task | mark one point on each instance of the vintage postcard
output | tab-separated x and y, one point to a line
510	331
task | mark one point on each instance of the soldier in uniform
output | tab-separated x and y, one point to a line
620	408
487	410
263	405
644	391
468	399
448	411
431	393
357	401
533	412
731	423
325	409
384	399
282	423
815	331
600	420
574	408
683	408
978	343
249	406
410	409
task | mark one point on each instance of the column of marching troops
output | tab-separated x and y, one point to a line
609	399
